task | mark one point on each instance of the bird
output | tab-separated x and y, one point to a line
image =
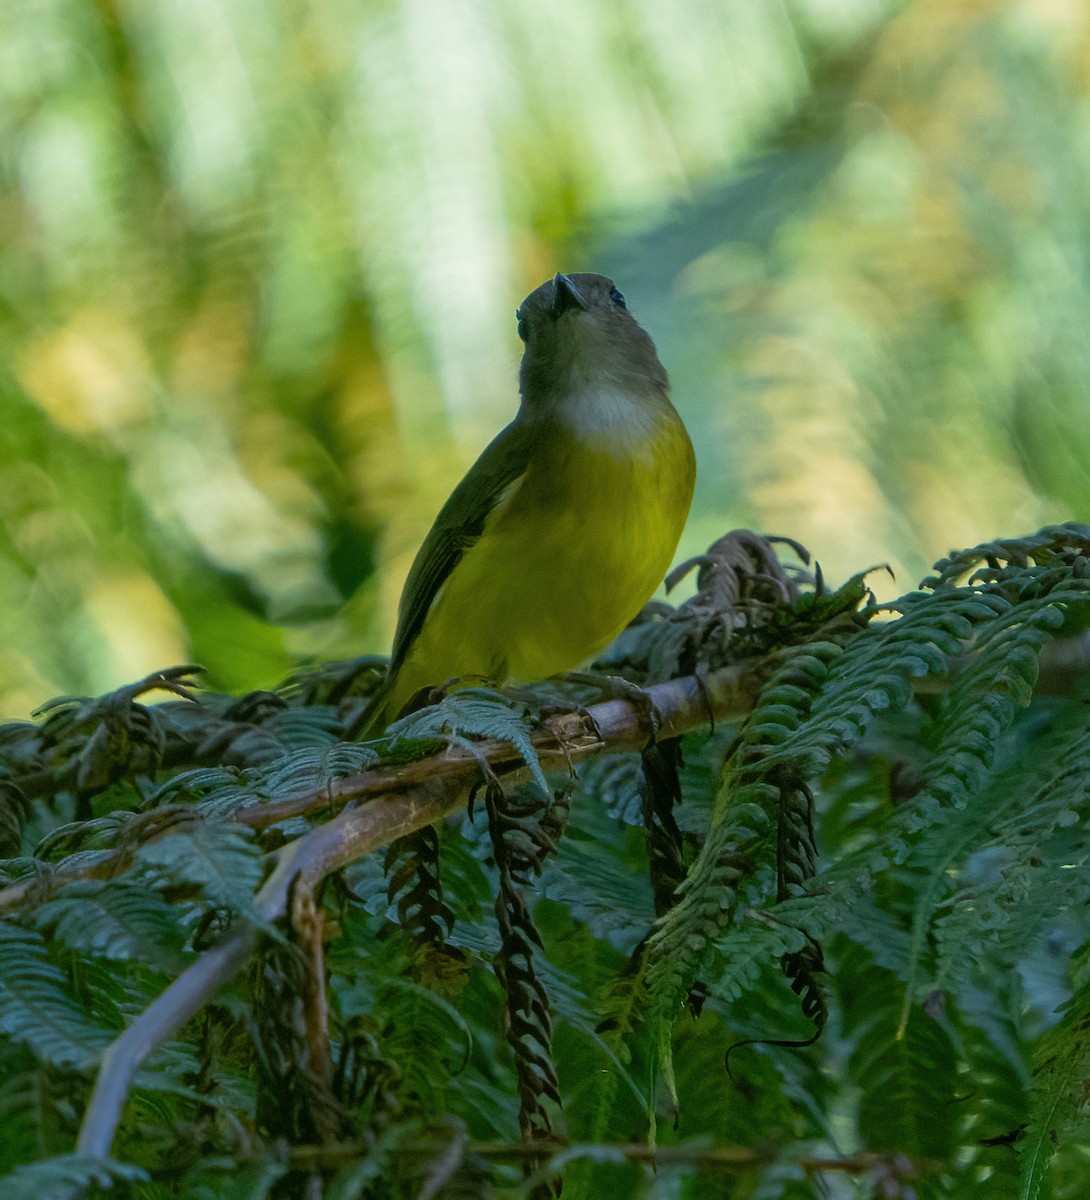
567	522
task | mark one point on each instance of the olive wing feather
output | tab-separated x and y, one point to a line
457	527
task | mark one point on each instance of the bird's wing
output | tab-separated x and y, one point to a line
458	525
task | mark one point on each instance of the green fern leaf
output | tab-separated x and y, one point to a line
220	857
1058	1098
35	1008
118	919
68	1174
476	713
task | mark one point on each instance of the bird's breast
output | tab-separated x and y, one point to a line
593	526
568	555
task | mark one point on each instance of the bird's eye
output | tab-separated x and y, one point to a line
617	298
523	331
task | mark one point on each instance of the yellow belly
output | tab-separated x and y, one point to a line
563	564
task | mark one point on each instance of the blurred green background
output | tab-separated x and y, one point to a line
259	264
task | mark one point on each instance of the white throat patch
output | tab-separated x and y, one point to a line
609	414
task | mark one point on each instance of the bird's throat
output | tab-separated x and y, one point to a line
613	420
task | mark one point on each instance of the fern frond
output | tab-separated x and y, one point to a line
1054	543
523	832
65	1175
907	1079
101	833
305	728
331	683
14	810
89	743
35	1112
1032	854
219	857
36	1008
475	713
311	769
605	893
745	950
614	781
415	887
115	919
1058	1108
739	833
662	796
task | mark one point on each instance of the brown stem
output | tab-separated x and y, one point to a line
308	921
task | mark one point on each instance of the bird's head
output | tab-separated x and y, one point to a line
581	339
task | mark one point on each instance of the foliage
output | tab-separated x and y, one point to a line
844	936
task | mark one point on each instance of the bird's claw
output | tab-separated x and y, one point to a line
616	687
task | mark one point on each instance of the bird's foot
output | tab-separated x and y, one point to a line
616	687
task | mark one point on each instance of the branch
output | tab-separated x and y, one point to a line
613	726
681	704
401	799
1064	664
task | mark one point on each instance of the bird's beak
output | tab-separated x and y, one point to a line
567	295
